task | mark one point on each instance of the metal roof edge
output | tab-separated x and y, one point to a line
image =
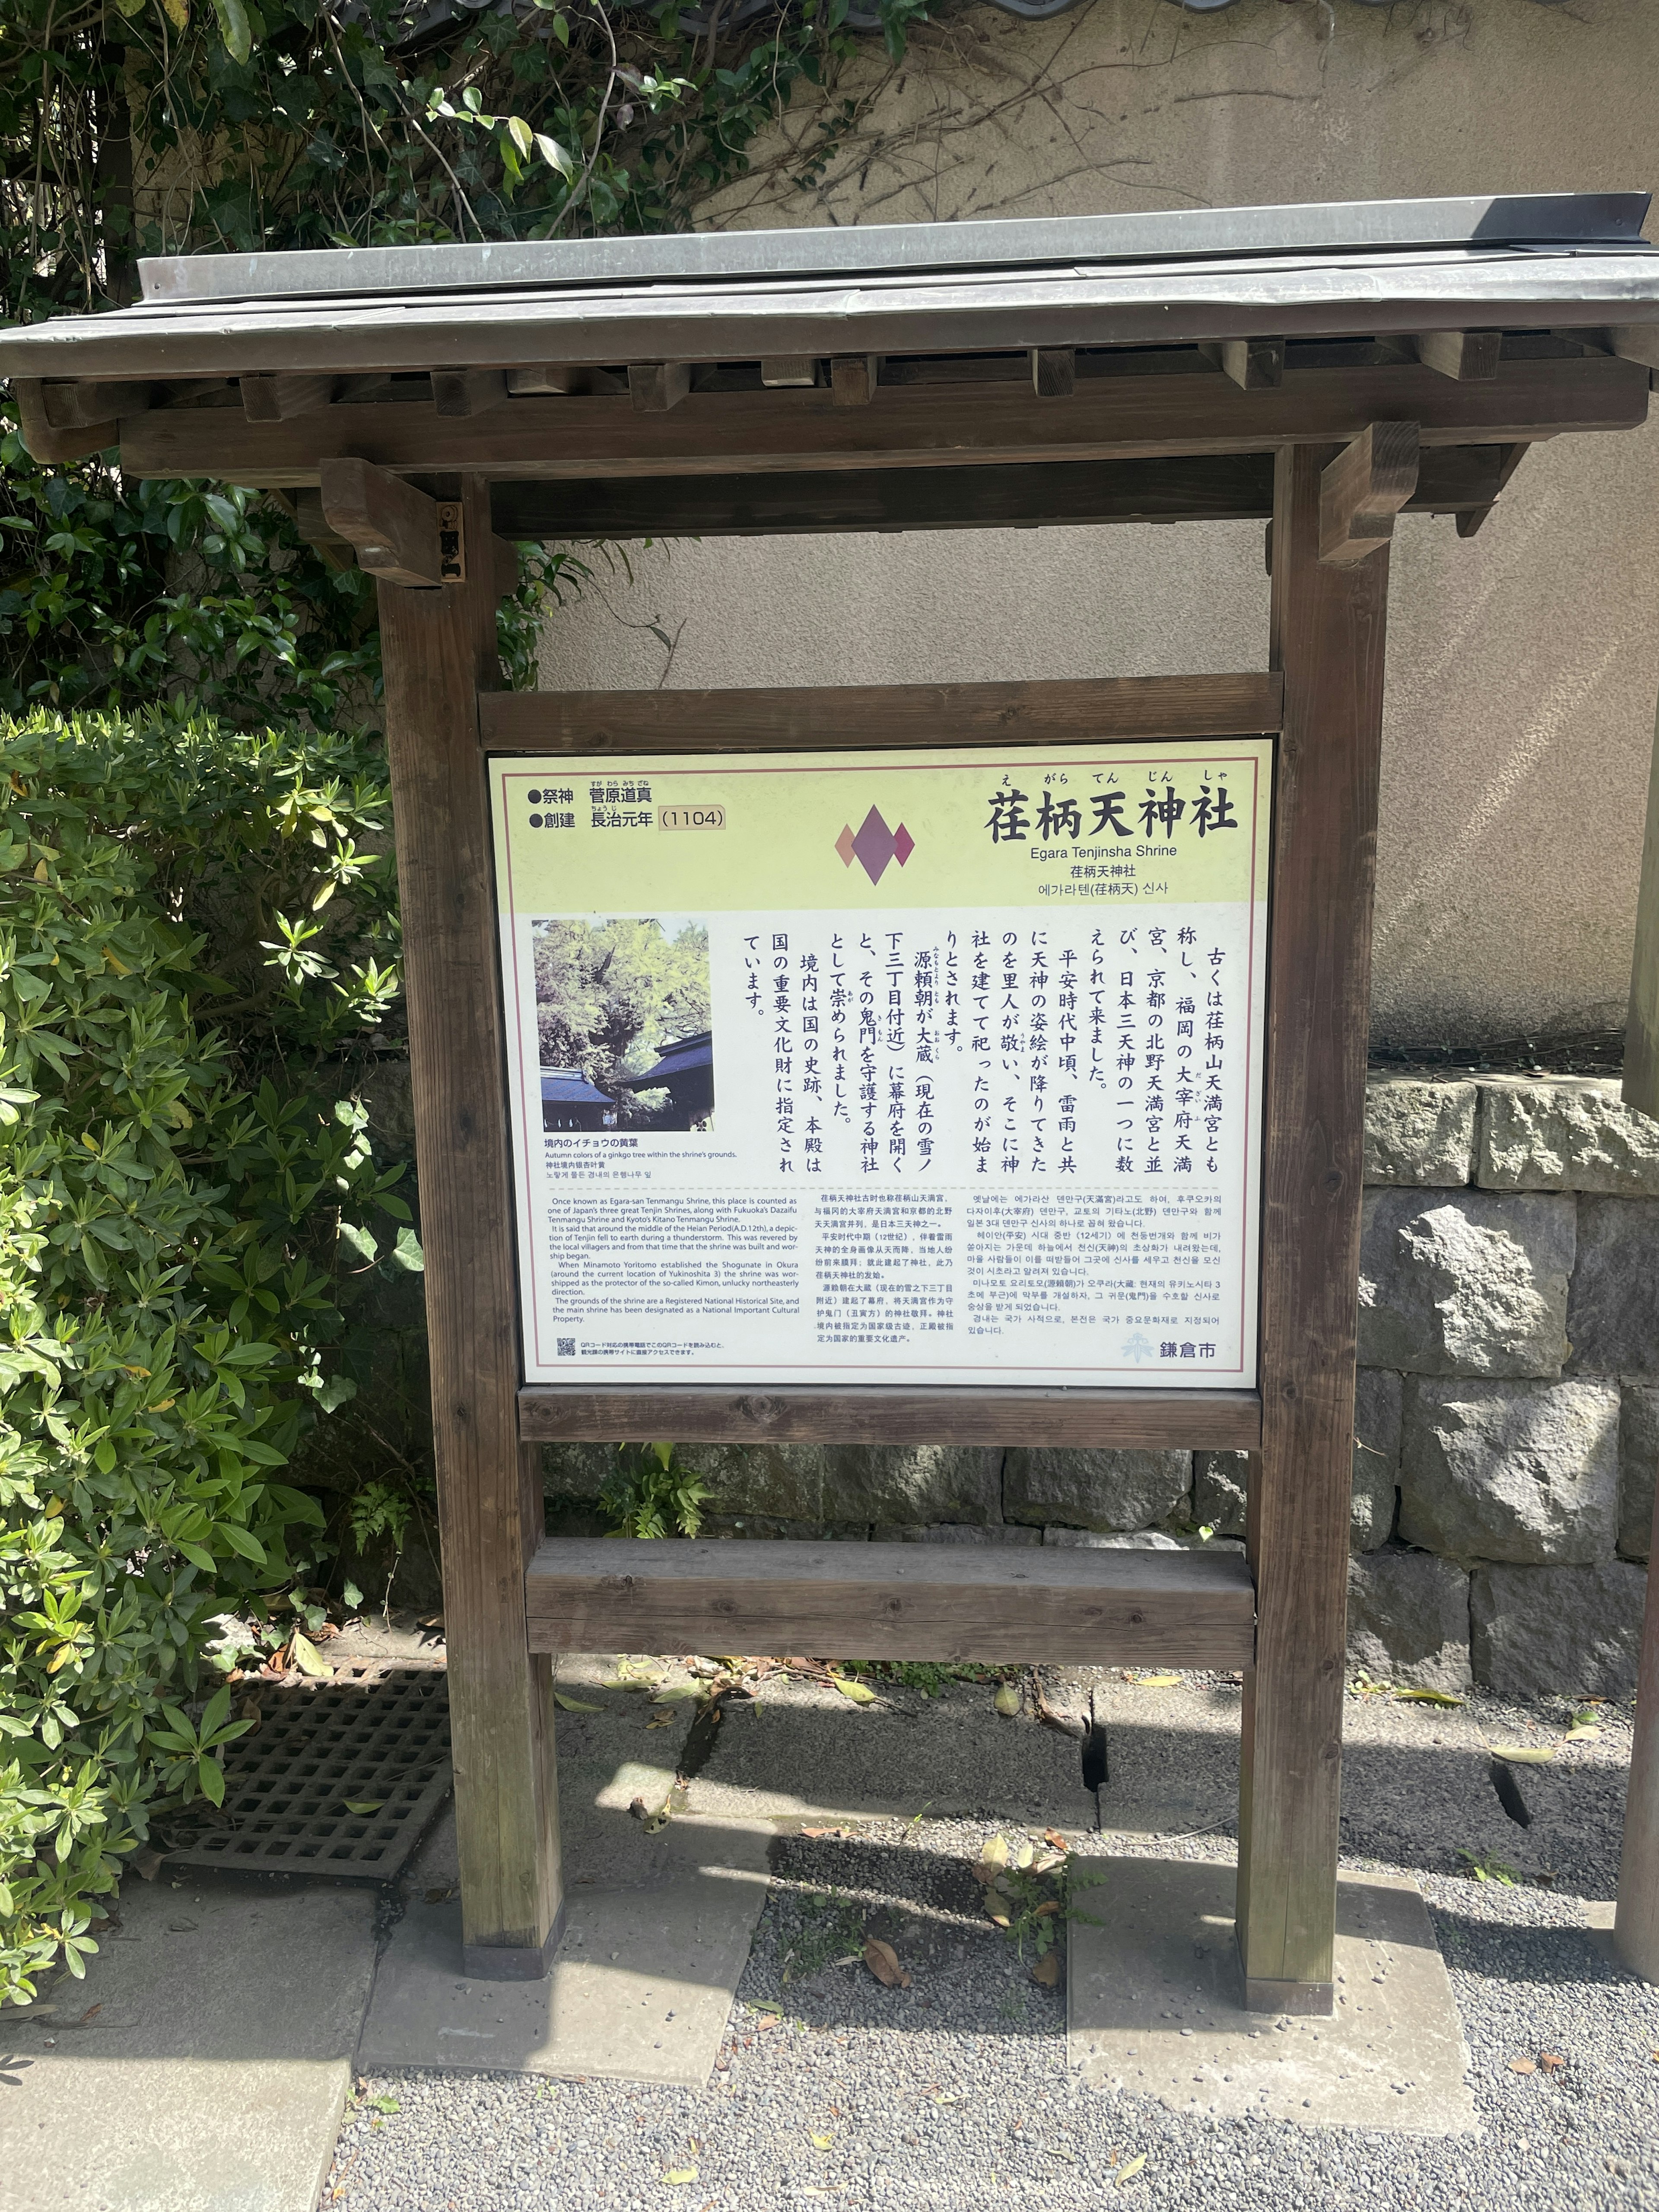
1559	220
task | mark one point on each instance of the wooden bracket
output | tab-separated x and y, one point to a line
1054	374
1254	364
393	527
853	378
1466	355
565	381
45	439
1470	519
463	392
657	385
788	370
81	406
277	398
1363	490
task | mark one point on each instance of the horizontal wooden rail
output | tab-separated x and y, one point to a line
1146	1421
1108	710
892	1602
1207	488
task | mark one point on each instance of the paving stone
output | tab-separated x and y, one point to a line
1558	1631
202	2064
1612	1314
1418	1132
1638	1461
1152	2002
1466	1283
1408	1619
1513	1470
1571	1133
1096	1489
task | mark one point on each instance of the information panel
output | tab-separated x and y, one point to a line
930	1068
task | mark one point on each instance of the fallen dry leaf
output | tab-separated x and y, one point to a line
1047	1969
822	2142
1522	1754
91	2011
1551	2060
678	2173
1049	1905
575	1705
1053	1836
148	1863
1521	2066
1156	1682
882	1960
1006	1700
850	1686
770	2020
307	1657
1127	2172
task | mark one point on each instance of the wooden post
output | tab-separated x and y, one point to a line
440	650
1328	639
1636	1920
1642	1030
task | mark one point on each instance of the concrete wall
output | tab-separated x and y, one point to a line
1524	664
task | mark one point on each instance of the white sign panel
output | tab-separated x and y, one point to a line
930	1067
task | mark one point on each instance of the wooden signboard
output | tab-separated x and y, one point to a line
753	1230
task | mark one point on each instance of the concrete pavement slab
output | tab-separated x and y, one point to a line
1153	2007
657	1935
202	2064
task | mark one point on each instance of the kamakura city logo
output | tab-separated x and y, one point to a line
874	846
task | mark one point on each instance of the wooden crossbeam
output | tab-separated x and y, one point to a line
1462	355
1363	489
999	1603
1149	1420
1054	374
655	386
1118	417
276	398
1207	488
1254	364
459	393
393	527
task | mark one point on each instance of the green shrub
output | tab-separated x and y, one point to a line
194	922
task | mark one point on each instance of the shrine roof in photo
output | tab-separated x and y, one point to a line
568	1086
684	1056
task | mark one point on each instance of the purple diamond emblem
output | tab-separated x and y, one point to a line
874	845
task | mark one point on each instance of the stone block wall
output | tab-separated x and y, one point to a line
1506	1430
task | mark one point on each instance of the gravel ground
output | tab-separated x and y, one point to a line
955	2092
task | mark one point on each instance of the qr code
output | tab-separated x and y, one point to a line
567	1347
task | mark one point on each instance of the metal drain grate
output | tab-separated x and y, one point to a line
377	1733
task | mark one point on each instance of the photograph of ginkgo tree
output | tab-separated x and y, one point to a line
622	1009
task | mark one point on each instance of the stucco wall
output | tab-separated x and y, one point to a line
1524	664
